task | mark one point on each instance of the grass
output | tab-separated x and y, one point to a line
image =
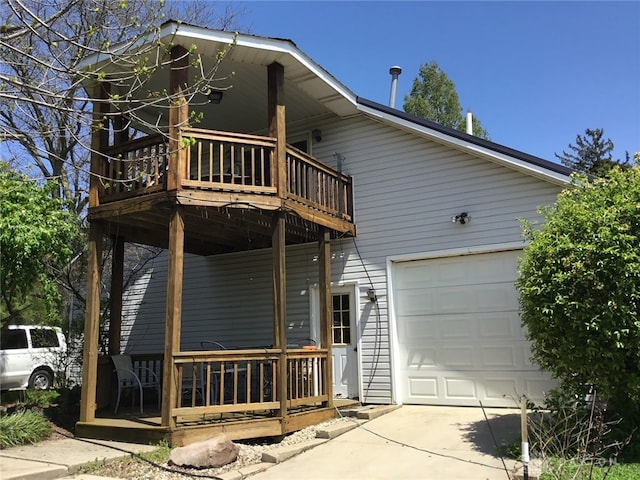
19	428
125	467
573	471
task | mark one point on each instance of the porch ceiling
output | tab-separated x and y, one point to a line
310	91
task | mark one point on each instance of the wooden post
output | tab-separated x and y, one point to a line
280	305
121	131
99	140
91	326
173	318
326	323
277	125
117	279
178	116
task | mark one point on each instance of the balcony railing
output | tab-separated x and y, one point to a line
224	161
318	186
137	166
240	381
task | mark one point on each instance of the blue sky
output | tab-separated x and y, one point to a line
535	73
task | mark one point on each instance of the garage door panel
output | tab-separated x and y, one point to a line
461	356
424	388
496	297
445	327
499	325
458	327
416	302
499	390
499	356
420	357
418	329
459	388
459	334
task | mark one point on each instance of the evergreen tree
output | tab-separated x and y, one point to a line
434	97
591	154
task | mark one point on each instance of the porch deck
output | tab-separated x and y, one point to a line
131	426
243	402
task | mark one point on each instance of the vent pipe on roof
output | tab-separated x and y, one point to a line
469	122
395	73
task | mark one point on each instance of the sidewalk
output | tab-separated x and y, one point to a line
58	458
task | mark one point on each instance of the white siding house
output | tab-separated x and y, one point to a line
430	302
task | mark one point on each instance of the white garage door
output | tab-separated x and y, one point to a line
459	335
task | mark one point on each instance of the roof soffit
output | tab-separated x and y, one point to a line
310	91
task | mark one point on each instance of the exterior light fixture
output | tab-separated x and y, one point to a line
317	134
371	293
215	96
461	218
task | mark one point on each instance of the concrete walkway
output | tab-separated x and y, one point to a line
411	442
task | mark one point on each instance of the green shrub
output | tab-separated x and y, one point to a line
20	428
40	398
579	284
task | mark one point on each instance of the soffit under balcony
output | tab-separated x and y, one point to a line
209	230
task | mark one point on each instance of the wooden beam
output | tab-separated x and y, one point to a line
91	326
117	279
326	323
277	125
173	317
99	140
280	305
178	116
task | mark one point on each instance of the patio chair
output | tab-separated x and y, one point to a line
215	387
130	379
211	345
193	382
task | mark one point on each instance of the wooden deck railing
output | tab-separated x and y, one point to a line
135	167
318	186
229	161
238	381
225	161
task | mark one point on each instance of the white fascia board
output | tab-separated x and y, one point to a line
286	47
491	155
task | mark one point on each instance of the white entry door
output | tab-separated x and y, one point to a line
344	340
344	347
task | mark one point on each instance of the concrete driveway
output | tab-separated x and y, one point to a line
412	442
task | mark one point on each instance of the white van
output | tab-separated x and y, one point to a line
30	356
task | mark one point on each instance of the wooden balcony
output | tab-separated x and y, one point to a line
231	391
209	192
226	169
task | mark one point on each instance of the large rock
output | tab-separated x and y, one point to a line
214	452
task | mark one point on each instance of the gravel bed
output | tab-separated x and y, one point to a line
250	453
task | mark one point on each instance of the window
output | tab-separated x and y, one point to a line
301	145
13	339
44	338
341	319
